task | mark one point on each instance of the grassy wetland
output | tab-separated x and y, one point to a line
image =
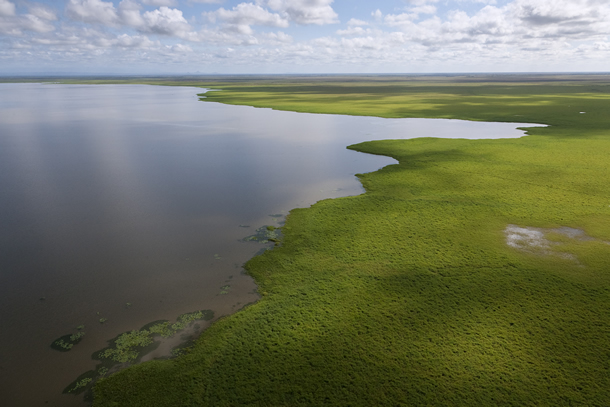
415	293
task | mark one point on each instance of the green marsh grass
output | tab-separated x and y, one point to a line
409	294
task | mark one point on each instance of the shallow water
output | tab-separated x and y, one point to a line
116	194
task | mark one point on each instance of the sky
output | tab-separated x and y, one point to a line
303	36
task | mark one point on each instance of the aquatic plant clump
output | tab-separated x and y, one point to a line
265	234
127	347
67	342
123	350
81	384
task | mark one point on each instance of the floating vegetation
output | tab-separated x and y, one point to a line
265	234
124	345
62	344
163	329
81	384
128	347
128	305
102	320
80	327
85	382
224	289
217	257
67	342
185	319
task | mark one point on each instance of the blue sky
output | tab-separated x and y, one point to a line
303	36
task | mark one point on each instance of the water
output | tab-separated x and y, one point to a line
135	194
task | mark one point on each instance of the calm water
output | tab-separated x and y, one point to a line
135	194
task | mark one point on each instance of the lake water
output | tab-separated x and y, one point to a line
130	194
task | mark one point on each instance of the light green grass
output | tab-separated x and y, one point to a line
408	294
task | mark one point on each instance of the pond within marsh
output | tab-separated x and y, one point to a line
127	204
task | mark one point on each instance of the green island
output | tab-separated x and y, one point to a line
471	273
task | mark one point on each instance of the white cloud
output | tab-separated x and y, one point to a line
133	41
32	23
7	8
424	9
563	17
241	17
179	48
276	38
38	20
356	22
129	12
166	21
517	23
159	3
92	11
377	15
161	21
353	30
42	12
15	26
419	3
317	12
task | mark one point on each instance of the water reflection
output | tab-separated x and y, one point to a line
134	194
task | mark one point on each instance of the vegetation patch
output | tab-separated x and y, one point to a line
129	347
265	234
67	342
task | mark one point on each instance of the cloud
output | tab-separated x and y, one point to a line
241	17
318	12
419	3
92	11
356	22
179	49
38	20
162	21
159	3
518	22
132	41
574	13
26	22
353	30
129	13
276	38
7	8
42	12
166	21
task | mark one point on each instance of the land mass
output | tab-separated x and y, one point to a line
415	293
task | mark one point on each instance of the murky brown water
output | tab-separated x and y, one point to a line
135	194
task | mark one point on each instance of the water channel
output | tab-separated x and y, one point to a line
129	203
